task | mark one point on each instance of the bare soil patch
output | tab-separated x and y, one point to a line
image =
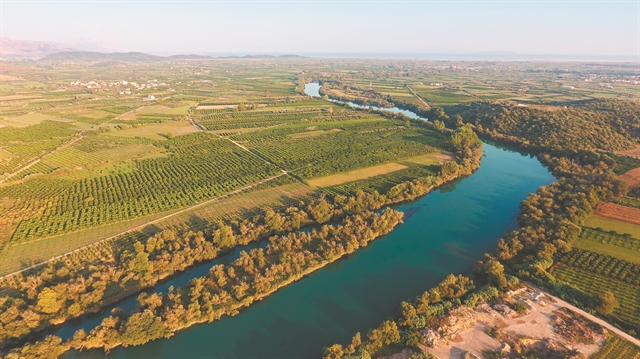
546	327
616	211
216	107
634	152
631	177
444	157
223	107
314	133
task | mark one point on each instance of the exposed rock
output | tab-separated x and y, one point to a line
432	338
505	348
504	310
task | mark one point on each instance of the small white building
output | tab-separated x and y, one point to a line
149	98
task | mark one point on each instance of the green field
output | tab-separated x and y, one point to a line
359	144
231	208
624	247
616	347
627	295
609	224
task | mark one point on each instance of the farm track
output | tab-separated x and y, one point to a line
39	159
61	148
196	125
422	101
591	317
140	227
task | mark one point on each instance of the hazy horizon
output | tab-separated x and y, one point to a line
570	30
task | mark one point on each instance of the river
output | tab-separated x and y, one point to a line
313	89
444	232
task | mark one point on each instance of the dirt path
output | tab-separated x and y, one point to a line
418	97
69	144
39	159
137	228
591	317
196	125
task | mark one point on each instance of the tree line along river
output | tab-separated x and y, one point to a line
444	232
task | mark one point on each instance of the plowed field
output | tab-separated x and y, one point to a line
616	211
632	177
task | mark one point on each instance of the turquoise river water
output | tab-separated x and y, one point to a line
444	232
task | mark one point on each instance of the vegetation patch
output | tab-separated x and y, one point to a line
155	131
363	173
610	224
613	244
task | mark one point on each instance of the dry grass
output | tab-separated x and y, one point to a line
216	107
368	172
609	224
609	249
314	133
156	131
631	177
29	119
5	155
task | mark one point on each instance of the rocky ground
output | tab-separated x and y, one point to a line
498	331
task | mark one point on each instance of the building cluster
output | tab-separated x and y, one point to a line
607	79
123	87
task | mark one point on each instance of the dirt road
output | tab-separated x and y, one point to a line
591	317
137	228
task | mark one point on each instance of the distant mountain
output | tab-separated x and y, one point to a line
88	56
187	57
27	49
288	56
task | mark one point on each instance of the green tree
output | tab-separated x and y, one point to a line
494	272
608	303
48	301
224	237
333	352
142	327
322	211
438	125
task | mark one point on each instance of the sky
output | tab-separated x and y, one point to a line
589	28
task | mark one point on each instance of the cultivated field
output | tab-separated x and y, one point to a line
373	171
632	177
609	224
620	246
618	212
627	295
